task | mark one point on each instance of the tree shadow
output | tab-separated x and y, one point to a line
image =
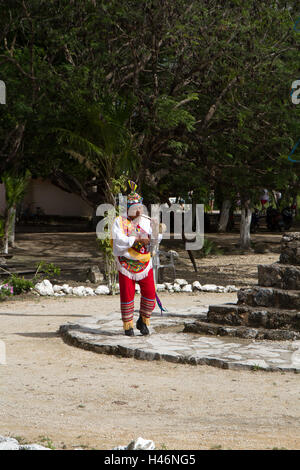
39	335
41	315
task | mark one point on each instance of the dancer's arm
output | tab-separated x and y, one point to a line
121	241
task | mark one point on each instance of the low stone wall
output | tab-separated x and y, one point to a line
290	248
269	297
279	275
270	310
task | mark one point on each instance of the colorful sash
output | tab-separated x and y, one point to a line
137	268
139	252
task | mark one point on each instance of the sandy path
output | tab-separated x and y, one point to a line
78	398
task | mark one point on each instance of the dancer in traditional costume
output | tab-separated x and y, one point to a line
131	247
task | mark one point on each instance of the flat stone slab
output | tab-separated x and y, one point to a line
104	334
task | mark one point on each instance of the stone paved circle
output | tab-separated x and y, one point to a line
104	334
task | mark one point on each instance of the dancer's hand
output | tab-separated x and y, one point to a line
143	239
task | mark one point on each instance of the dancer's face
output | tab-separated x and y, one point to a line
135	211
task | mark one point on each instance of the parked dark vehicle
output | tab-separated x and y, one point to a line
207	224
231	223
279	221
274	220
254	221
287	216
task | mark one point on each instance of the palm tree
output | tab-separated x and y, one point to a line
103	143
15	187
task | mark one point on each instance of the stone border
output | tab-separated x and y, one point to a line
181	348
10	443
45	288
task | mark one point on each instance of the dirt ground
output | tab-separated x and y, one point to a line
54	394
79	251
66	397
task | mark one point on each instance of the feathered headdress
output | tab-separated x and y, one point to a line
133	197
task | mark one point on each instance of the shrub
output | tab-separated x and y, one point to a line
20	284
48	270
210	248
17	285
5	291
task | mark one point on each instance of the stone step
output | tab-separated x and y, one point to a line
269	297
245	315
282	276
290	248
245	332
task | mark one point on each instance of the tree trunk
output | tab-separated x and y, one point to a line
190	253
224	216
111	272
5	245
192	258
245	237
6	230
12	228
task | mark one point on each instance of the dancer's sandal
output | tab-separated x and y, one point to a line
129	332
142	327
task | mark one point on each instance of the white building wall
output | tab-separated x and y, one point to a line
50	198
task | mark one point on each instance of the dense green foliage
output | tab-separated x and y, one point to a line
183	95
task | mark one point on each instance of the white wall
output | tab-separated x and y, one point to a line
54	201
